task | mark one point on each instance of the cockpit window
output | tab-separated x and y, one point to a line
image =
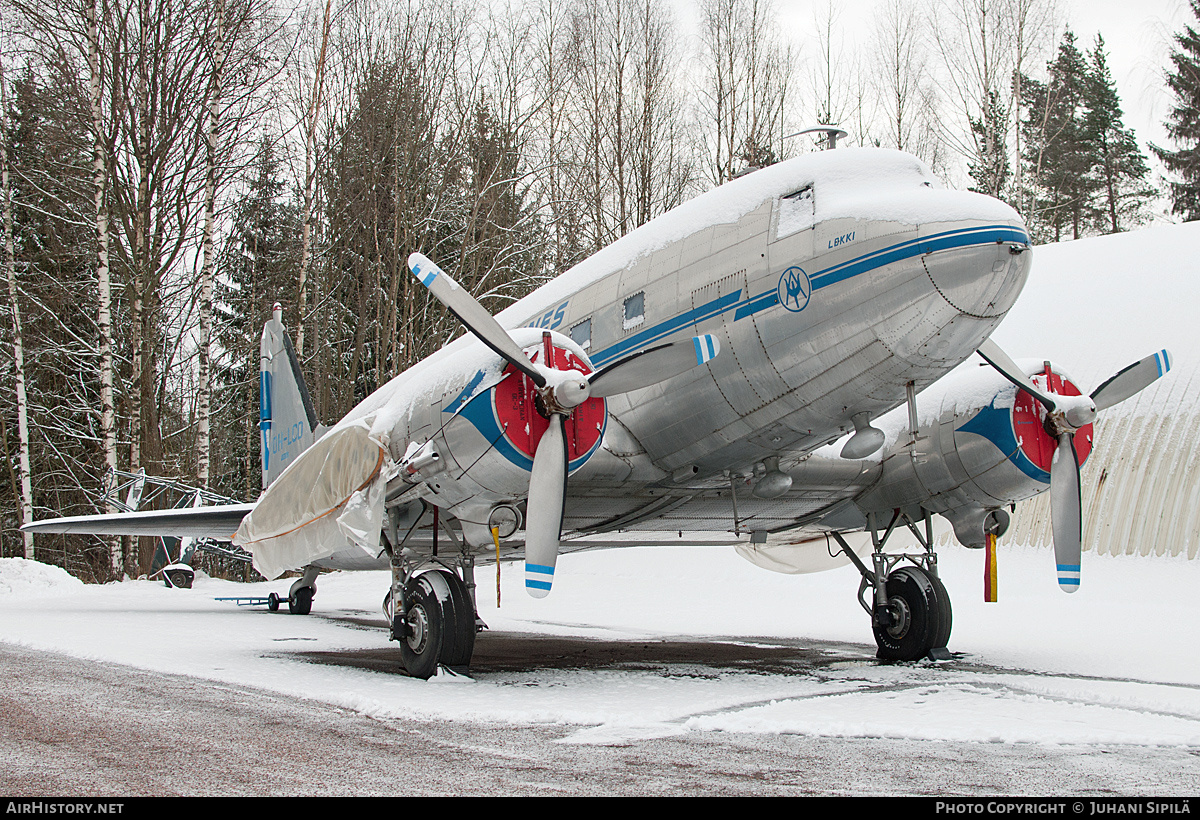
804	193
796	212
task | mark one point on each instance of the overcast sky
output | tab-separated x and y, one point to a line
1137	35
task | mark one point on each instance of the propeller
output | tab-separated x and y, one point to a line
1064	416
560	391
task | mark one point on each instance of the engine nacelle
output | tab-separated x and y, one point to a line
485	434
981	445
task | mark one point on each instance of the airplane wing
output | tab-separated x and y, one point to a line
218	523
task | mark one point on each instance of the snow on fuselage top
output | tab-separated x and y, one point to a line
872	184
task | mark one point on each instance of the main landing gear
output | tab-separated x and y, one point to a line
910	608
431	603
432	612
435	624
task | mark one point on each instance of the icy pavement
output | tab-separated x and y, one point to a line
1113	664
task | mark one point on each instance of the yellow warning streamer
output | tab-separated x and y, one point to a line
989	570
496	541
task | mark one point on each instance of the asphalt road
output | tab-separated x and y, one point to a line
77	728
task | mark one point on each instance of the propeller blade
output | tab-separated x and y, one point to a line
544	513
1131	380
472	314
1066	512
654	365
1007	368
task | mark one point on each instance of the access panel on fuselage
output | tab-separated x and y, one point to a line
744	375
686	416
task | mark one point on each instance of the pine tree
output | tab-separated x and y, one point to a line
258	268
50	156
1119	167
990	169
1057	149
1183	125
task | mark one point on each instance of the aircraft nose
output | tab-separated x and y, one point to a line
978	266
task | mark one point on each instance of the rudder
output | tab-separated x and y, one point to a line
286	416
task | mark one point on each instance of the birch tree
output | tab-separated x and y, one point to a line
242	40
101	147
746	79
902	80
315	94
10	270
217	56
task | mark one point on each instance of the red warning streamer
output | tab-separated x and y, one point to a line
989	570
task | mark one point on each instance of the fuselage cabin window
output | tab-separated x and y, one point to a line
581	333
635	310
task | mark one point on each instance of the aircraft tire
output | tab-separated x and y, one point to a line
301	602
273	602
914	603
456	653
429	611
180	579
945	614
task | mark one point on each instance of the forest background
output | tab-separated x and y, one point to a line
169	171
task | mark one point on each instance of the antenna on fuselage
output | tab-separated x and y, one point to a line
832	134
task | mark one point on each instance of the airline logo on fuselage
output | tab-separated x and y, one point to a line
794	289
552	318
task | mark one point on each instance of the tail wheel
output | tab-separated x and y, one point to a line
914	616
439	625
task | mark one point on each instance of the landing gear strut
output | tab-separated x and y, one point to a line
910	608
300	597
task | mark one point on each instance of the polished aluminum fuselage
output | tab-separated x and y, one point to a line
822	315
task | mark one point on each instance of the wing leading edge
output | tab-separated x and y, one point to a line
218	523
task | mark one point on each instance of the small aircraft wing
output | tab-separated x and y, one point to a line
217	523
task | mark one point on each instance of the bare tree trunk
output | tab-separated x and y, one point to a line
204	374
10	266
310	176
108	425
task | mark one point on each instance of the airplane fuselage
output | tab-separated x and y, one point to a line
832	282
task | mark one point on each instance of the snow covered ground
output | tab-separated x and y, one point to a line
1113	664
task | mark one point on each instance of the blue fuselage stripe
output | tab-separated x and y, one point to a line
962	237
639	340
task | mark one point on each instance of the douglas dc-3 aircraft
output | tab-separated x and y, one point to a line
692	376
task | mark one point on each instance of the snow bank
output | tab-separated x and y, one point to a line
21	578
1096	305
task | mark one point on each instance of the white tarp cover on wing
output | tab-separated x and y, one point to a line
330	496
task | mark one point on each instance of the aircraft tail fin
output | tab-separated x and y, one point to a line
287	418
